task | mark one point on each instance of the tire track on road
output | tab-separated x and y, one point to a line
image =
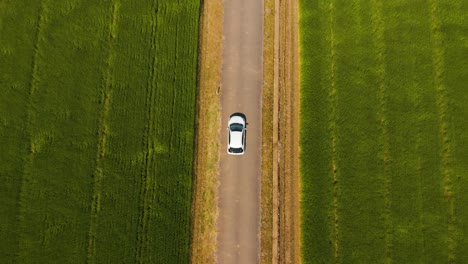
239	190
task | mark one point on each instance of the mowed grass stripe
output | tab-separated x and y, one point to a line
411	124
175	164
56	215
332	128
147	187
167	226
33	85
421	108
126	151
378	28
316	173
388	131
454	28
69	126
446	162
17	49
362	202
151	145
103	132
442	96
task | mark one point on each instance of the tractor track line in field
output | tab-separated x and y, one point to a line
103	132
442	100
332	128
33	86
147	184
39	33
379	43
174	89
420	175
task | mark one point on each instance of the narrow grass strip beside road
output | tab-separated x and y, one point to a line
268	224
287	97
204	209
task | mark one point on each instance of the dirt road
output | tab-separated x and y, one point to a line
239	190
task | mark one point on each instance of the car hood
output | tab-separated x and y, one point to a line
236	119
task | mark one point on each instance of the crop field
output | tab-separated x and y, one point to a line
97	116
384	141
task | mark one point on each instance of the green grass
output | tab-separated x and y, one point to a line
96	129
383	131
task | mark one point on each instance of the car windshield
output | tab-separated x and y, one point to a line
236	127
235	150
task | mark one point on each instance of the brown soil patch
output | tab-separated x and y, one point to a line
204	207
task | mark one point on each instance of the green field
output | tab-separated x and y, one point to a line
384	131
97	116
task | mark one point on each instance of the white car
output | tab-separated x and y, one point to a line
236	134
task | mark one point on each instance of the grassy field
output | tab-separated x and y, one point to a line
384	147
97	114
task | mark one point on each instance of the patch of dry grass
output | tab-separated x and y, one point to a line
267	205
203	242
288	131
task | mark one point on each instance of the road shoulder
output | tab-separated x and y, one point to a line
205	181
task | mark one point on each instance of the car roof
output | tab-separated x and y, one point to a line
236	139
